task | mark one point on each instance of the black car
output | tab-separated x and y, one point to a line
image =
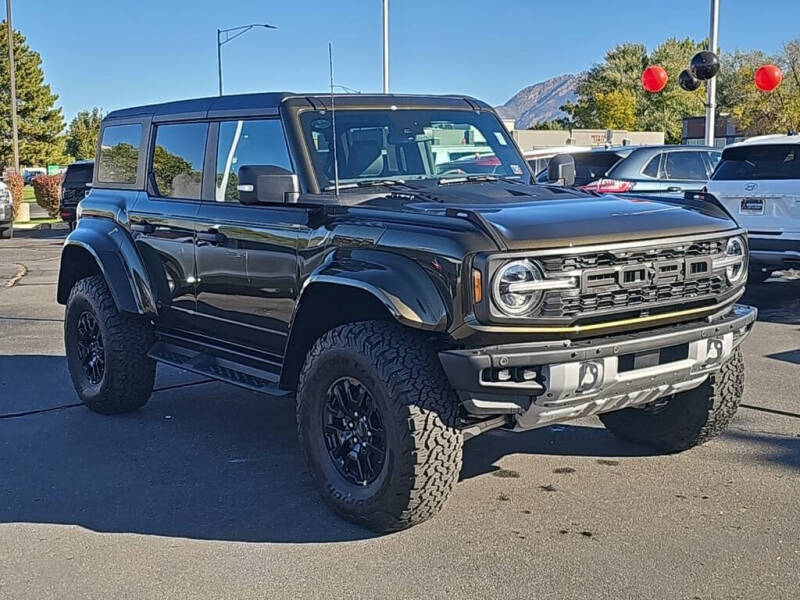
293	247
74	187
662	170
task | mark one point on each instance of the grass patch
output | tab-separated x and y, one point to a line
27	194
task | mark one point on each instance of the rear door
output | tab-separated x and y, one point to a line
760	185
683	171
163	218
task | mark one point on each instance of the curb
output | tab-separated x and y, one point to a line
40	226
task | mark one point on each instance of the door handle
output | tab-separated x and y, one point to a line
674	188
143	227
212	237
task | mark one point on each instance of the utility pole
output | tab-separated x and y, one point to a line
385	46
12	76
711	84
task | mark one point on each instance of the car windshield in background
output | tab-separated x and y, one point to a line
591	166
78	175
392	145
759	162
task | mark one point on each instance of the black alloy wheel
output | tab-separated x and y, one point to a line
91	352
354	432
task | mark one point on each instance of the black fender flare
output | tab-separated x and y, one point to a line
399	283
114	252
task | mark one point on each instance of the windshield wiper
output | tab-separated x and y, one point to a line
475	177
366	183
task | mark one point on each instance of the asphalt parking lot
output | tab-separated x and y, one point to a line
202	493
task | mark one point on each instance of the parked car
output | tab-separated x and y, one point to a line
75	185
662	170
30	173
539	158
758	181
406	310
6	212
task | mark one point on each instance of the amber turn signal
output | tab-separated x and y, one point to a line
477	285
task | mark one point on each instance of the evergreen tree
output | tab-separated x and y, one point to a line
82	134
40	122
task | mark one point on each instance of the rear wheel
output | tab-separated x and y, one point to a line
377	423
7	233
687	419
107	350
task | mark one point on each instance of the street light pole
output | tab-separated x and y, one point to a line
711	84
219	59
12	76
230	34
385	46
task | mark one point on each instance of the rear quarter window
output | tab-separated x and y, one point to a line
119	154
759	162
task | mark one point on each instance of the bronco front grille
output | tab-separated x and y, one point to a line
634	280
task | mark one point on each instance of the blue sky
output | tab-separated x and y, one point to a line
117	53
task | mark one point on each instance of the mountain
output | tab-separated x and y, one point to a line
541	101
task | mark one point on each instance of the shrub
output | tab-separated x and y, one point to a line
47	189
15	185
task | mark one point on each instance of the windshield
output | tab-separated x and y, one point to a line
759	162
402	145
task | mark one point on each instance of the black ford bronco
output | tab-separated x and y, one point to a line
323	247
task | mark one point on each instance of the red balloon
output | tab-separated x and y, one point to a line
768	78
654	78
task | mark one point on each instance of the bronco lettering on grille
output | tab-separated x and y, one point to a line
647	273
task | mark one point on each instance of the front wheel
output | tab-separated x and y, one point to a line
687	419
377	423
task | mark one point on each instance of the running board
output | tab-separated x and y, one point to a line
206	363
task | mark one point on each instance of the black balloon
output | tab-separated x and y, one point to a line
705	65
688	82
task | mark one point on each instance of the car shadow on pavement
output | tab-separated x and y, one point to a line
778	300
482	453
208	461
202	461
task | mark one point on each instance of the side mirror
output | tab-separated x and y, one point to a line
561	170
267	184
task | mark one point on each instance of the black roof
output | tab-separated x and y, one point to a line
269	102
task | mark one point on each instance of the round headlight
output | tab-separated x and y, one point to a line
509	291
735	249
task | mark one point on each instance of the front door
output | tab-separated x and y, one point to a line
247	254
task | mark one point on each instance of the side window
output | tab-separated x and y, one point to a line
178	160
713	159
685	165
651	170
247	143
119	154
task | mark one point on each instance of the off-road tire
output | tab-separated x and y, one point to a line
127	380
401	369
690	418
7	233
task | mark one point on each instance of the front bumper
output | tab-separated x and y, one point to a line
539	383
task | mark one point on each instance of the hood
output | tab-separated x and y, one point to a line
531	217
